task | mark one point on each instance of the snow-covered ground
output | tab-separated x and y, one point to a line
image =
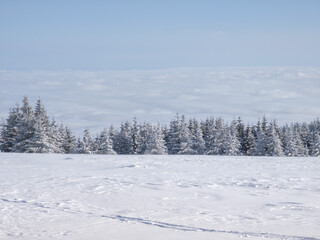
158	197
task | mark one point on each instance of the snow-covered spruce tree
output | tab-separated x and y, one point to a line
9	131
197	142
25	128
135	136
124	141
241	136
264	124
273	142
231	144
208	129
249	141
144	130
44	134
218	138
56	134
306	136
165	132
155	141
40	142
105	143
69	143
174	137
185	138
294	145
315	148
84	145
113	134
261	143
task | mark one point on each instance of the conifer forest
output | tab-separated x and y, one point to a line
31	130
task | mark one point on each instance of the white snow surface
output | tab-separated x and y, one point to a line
45	196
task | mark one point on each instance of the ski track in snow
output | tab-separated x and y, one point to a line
98	197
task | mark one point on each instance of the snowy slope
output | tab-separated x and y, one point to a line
158	197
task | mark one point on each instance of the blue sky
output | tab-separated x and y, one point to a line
102	35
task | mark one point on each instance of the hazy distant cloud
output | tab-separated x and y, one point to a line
96	99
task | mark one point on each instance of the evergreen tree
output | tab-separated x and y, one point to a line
306	136
174	139
241	136
124	139
273	142
260	144
197	142
69	143
135	136
249	141
9	132
40	142
25	127
218	138
315	150
144	131
84	145
55	135
113	134
208	130
294	145
105	143
264	124
155	141
231	145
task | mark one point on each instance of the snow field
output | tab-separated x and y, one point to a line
51	196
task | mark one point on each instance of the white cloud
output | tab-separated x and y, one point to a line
96	99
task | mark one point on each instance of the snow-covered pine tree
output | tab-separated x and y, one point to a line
185	138
40	142
208	129
306	136
197	142
218	138
241	136
9	131
249	141
155	141
105	143
25	128
231	145
315	147
144	130
84	145
124	141
165	132
294	145
260	144
135	136
264	124
113	134
273	142
174	137
56	136
69	143
47	133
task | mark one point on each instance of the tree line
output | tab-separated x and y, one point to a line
31	130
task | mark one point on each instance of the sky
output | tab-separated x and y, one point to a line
98	62
99	35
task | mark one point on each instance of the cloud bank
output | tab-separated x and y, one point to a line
95	99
